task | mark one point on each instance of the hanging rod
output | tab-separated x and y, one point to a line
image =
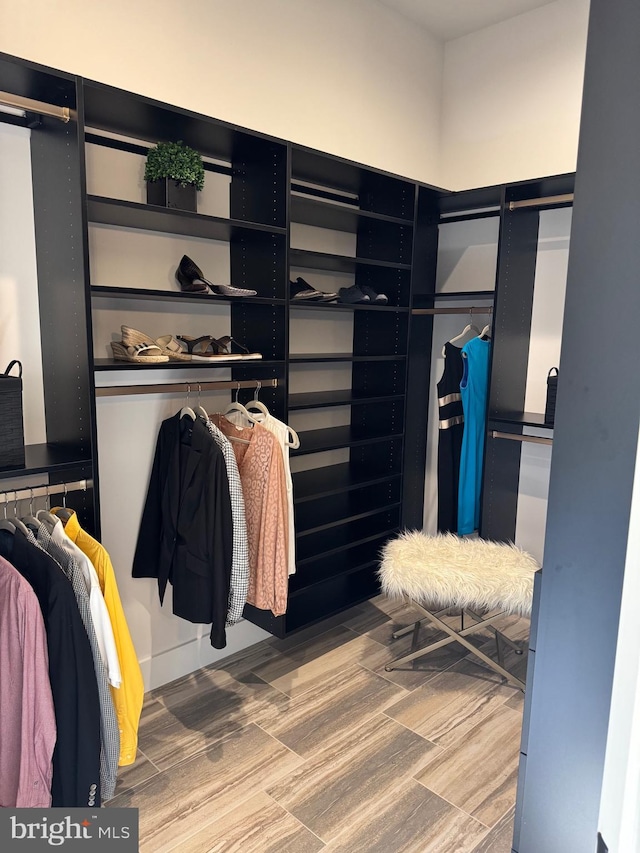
514	436
566	198
473	310
65	114
183	387
44	491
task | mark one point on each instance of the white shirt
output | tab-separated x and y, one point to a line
97	606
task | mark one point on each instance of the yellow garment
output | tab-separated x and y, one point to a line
127	698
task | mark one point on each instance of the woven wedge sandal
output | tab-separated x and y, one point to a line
138	353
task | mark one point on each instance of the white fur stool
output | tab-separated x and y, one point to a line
444	572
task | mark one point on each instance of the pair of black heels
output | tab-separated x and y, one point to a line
191	280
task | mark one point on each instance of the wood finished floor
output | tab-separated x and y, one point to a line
307	744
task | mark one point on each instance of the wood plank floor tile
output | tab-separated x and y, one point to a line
259	825
415	673
196	714
315	660
135	774
452	703
285	645
184	799
371	616
500	838
348	778
479	773
312	720
411	819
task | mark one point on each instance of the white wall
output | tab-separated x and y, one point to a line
512	95
619	820
354	79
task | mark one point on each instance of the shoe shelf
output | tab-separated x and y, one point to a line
302	358
328	512
101	364
307	259
337	217
458	295
337	479
329	543
149	217
324	399
170	296
332	438
48	459
341	306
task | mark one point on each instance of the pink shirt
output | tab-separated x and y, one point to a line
27	721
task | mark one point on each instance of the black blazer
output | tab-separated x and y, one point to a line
186	534
76	757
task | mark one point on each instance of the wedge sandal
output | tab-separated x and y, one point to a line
138	353
171	347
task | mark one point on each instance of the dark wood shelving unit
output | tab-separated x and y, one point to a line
332	438
149	217
307	259
337	217
102	364
104	291
329	543
336	479
49	459
529	419
301	358
341	306
323	399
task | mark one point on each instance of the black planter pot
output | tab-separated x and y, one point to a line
169	193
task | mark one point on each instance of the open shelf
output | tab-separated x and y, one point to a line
104	291
45	458
110	364
149	217
316	440
337	263
336	479
324	399
427	300
302	357
530	419
338	217
341	306
328	512
310	549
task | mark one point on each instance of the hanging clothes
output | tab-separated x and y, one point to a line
282	432
264	488
76	757
127	698
450	432
186	534
473	389
109	731
97	606
28	730
239	585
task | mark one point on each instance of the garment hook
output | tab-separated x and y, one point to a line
30	501
256	393
64	496
5	504
47	497
237	392
188	394
199	392
15	503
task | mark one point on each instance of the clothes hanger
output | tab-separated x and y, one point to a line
486	332
62	512
470	327
187	410
293	440
237	406
201	408
16	521
5	524
30	520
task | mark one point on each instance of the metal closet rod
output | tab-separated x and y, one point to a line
565	198
15	495
183	387
473	310
514	436
65	114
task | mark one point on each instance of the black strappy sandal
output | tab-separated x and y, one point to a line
206	348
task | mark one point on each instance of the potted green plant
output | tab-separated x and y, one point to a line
174	173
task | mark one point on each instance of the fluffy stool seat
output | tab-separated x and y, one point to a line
447	571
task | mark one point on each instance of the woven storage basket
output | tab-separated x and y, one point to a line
11	425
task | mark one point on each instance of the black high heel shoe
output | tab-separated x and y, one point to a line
191	280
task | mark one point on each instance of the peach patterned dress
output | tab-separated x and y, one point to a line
264	488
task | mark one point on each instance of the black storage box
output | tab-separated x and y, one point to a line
552	391
11	424
168	193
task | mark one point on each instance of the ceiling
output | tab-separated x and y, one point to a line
450	19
